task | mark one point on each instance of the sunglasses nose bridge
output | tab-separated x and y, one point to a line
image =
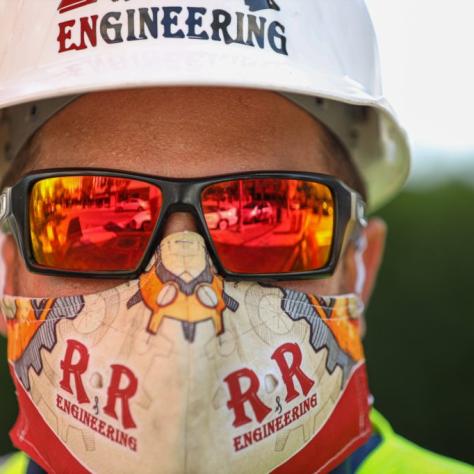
182	209
188	194
179	221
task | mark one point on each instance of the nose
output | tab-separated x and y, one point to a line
179	222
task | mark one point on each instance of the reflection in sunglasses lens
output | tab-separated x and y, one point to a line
92	223
270	225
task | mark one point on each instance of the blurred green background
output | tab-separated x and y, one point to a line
420	340
420	323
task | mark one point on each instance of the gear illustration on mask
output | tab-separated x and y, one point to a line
39	333
266	316
318	314
182	285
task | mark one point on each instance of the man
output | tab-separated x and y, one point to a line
184	284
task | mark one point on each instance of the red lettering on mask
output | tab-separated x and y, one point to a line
122	387
75	369
124	394
238	398
288	372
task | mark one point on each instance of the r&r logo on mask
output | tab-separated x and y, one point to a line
239	398
121	389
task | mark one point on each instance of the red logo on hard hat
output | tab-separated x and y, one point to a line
67	5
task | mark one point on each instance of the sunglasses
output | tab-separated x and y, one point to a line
107	224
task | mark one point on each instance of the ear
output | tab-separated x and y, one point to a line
370	258
8	262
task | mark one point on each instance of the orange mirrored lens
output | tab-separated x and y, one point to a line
92	223
270	225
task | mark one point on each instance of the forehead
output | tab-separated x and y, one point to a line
184	132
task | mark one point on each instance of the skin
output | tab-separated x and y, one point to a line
187	132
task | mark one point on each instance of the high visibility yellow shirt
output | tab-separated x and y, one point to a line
396	455
16	464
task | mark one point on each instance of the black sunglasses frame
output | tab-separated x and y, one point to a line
183	195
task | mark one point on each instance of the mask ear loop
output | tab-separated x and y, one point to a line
360	246
3	270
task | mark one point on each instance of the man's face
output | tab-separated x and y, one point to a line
181	133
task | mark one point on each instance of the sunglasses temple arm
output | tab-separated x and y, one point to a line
360	214
5	209
359	221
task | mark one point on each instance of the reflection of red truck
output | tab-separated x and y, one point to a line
140	221
132	204
258	212
220	218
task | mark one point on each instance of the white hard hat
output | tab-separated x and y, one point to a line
322	54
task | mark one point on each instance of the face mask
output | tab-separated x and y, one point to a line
183	372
